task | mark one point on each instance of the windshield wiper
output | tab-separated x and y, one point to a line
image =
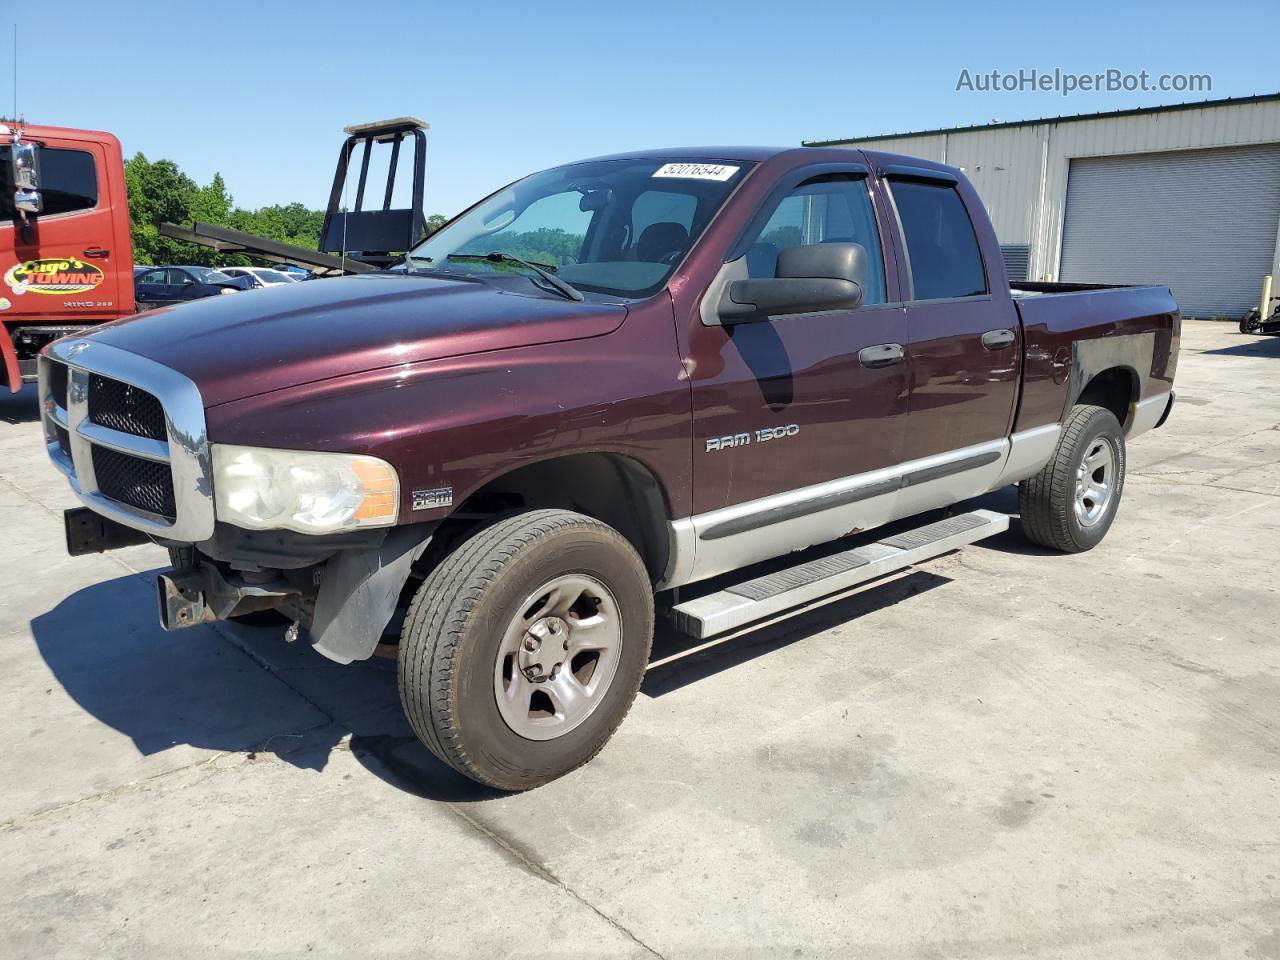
563	287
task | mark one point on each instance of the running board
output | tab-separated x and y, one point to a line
773	593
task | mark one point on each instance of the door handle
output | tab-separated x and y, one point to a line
97	253
881	355
997	339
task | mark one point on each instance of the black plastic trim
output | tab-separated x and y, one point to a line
803	508
89	532
905	171
925	474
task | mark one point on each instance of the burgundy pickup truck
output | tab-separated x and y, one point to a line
604	382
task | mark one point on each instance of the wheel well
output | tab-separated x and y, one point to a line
1115	390
614	489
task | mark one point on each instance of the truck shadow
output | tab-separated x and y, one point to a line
20	407
234	689
231	689
1260	346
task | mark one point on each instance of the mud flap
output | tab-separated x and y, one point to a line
359	593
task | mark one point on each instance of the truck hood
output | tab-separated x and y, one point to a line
262	340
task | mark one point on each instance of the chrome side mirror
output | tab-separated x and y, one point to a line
24	160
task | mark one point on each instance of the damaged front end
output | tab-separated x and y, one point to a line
310	534
339	591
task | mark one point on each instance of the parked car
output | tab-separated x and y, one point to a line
164	286
258	276
607	380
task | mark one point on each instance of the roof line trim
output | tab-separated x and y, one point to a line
1072	118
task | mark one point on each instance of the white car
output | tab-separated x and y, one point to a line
261	276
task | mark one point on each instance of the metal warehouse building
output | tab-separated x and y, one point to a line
1185	195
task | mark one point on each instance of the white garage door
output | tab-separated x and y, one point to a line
1202	222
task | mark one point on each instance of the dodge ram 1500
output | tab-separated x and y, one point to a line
604	381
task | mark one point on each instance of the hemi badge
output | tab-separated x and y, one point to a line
430	499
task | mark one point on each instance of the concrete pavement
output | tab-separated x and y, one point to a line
1001	753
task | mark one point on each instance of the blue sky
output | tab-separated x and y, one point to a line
260	92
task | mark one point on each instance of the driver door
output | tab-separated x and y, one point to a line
790	413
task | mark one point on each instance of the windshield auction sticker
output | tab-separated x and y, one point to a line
696	171
57	276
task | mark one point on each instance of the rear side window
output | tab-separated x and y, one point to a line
68	182
941	245
832	209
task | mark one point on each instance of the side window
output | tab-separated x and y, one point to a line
824	210
152	276
68	182
661	225
179	278
941	245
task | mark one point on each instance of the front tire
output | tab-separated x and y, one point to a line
1071	503
525	646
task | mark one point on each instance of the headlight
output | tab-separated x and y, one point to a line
304	491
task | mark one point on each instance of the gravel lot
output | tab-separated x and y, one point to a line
1000	753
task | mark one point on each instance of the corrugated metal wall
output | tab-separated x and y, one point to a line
1202	222
1021	172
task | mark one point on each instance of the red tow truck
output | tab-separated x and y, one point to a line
66	258
66	261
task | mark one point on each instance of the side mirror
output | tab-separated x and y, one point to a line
24	161
810	278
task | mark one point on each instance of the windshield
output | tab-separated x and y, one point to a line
616	227
272	276
205	275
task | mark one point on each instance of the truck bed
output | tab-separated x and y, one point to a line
1070	328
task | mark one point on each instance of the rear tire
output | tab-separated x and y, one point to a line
1071	503
525	646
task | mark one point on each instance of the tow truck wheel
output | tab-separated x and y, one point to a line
1069	505
524	648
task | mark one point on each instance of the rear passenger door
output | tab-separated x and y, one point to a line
962	327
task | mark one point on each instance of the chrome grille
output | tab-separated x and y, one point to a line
58	384
107	416
143	484
124	407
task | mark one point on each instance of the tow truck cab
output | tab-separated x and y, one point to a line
67	265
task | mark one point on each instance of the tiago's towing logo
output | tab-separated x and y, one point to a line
58	276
